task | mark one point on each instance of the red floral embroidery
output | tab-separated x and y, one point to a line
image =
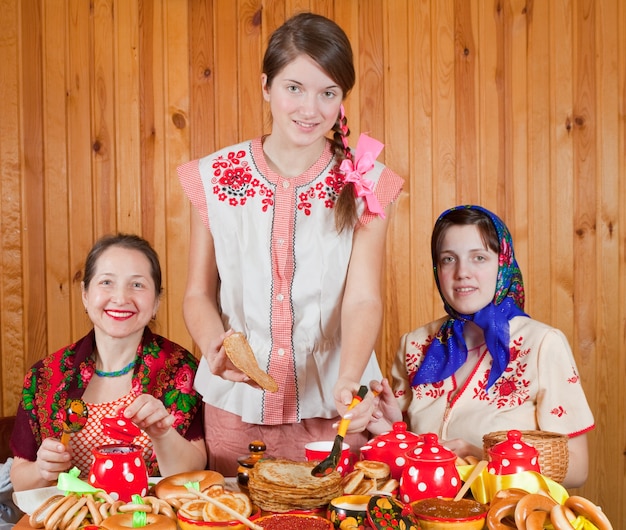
511	389
326	192
234	184
558	411
575	377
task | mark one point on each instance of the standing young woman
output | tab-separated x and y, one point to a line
487	366
119	365
287	245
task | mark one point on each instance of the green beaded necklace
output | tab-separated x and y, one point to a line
117	373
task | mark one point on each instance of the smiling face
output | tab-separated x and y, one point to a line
121	296
304	102
466	269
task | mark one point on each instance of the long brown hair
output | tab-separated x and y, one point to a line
327	44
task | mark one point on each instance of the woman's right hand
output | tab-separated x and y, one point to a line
220	364
53	458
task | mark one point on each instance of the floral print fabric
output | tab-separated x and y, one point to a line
163	369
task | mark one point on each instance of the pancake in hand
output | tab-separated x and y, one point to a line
241	355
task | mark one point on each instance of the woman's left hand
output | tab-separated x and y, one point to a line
150	415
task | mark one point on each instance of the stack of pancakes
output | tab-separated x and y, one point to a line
284	485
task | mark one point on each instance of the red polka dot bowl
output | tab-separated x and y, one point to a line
119	469
430	472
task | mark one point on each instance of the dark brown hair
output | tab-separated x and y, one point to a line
129	241
327	44
463	216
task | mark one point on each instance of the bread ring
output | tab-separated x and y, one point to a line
67	516
586	508
52	520
34	519
531	503
499	511
559	519
78	518
536	520
96	516
122	521
174	485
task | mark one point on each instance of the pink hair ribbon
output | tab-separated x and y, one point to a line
367	150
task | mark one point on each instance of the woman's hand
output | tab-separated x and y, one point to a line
53	458
387	411
150	415
221	365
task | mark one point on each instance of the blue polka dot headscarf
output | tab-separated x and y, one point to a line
448	351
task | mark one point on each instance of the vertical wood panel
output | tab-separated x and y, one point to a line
249	67
176	208
397	155
78	144
59	283
12	340
32	191
104	195
128	166
537	274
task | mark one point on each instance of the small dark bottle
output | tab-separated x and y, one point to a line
246	462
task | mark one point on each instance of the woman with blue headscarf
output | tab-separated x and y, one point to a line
486	366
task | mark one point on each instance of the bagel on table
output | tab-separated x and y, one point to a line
173	487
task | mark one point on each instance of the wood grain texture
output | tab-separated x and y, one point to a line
517	105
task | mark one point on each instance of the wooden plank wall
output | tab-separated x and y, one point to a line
517	105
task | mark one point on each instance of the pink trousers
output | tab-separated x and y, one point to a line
227	438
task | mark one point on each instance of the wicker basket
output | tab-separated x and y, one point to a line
552	448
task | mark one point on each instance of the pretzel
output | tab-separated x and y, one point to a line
586	508
531	503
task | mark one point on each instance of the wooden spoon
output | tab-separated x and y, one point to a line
478	469
77	413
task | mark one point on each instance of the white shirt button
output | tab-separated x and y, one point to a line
280	298
281	352
285	184
281	241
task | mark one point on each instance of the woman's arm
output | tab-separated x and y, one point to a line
52	458
175	454
578	467
200	303
361	310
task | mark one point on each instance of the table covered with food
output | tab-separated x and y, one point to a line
401	480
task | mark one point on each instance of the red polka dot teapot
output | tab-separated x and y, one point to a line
430	472
119	469
392	447
512	455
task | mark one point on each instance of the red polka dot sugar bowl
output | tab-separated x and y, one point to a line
512	455
119	468
392	447
430	472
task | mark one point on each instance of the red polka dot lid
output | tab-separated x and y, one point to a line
119	428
